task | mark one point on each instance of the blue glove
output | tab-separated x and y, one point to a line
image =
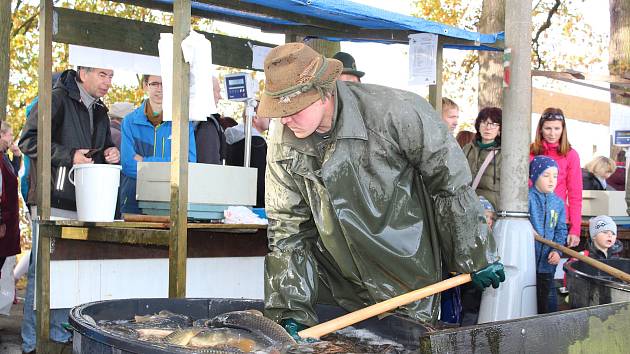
492	274
293	327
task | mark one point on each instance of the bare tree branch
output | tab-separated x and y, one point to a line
26	25
17	5
547	24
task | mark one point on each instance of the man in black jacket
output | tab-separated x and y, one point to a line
79	134
80	130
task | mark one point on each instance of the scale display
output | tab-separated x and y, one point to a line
239	87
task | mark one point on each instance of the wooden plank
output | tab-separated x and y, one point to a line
435	91
42	286
596	329
44	109
279	14
119	225
113	33
115	224
5	40
43	178
166	7
179	154
154	237
201	244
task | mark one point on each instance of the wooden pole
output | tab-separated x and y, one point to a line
178	244
5	45
588	260
382	307
43	178
435	91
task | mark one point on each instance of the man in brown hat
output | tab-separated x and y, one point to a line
349	72
367	194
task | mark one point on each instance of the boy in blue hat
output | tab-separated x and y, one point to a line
547	215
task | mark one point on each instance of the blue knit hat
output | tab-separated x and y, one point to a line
485	203
538	165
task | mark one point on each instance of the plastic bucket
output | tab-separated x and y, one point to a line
96	190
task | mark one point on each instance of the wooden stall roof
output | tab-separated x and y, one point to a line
330	20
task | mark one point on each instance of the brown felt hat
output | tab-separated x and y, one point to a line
295	77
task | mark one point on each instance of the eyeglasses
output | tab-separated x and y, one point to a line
552	116
491	125
154	84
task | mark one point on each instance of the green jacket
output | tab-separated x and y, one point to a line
489	185
371	212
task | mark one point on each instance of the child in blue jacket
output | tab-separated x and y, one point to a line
547	215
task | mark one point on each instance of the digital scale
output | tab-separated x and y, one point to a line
240	87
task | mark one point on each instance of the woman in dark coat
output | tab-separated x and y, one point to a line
595	173
9	207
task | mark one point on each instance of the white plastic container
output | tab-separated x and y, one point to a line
96	190
516	297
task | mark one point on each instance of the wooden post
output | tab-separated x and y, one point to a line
435	91
43	178
178	243
5	45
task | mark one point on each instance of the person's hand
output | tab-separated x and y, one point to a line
493	274
293	327
79	157
112	155
138	158
15	150
573	240
3	230
553	258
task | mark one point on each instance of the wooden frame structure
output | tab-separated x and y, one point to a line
104	32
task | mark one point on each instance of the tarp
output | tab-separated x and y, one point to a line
349	13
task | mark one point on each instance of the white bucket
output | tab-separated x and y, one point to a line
96	190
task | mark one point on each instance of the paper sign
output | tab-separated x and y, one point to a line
422	58
114	60
259	53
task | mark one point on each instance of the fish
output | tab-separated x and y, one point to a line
153	334
255	323
246	331
163	319
182	336
240	339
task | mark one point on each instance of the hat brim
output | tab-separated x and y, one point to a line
356	73
271	107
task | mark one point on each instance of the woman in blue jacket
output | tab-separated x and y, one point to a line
146	137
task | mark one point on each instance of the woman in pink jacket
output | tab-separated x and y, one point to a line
551	140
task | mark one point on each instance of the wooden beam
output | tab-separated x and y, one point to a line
165	7
43	178
178	245
5	44
435	91
254	9
114	33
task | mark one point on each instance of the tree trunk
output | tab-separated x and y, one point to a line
6	23
619	49
491	63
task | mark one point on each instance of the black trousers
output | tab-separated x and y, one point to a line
546	294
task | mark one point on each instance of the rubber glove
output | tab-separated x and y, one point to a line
491	274
293	327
